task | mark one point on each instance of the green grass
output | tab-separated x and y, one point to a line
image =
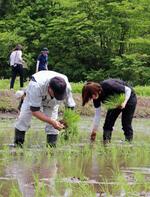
140	90
5	84
70	118
76	87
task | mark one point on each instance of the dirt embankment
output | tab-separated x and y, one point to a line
8	106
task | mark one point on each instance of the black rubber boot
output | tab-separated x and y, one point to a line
105	142
107	137
19	138
128	139
51	140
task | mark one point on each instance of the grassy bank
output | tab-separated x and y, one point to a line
140	90
76	87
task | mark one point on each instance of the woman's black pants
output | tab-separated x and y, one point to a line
18	69
127	116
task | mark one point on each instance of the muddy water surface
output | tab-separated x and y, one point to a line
75	168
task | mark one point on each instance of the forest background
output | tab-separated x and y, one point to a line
87	39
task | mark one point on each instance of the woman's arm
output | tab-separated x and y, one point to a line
96	122
127	96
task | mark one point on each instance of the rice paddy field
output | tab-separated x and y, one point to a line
76	167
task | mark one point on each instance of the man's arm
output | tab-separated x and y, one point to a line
41	116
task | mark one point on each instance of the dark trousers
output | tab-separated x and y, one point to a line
127	116
17	70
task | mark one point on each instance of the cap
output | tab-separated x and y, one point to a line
18	47
45	49
58	85
19	94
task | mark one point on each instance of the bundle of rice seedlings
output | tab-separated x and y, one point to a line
70	120
114	101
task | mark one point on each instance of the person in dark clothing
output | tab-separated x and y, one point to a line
16	62
42	61
99	93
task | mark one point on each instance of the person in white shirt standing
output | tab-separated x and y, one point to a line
45	92
16	62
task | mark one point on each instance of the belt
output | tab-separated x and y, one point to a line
33	79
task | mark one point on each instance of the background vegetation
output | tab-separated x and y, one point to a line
76	87
86	39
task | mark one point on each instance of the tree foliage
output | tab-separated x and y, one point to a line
87	40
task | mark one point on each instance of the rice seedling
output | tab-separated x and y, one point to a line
105	188
40	188
114	101
15	192
85	190
139	179
118	169
70	120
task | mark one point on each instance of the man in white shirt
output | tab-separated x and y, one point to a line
16	62
45	92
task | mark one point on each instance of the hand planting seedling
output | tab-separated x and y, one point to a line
63	122
93	137
70	120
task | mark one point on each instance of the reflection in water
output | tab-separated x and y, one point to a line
76	163
25	175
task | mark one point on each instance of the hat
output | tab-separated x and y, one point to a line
19	94
45	49
18	47
58	85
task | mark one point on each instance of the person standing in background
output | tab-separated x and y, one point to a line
16	62
42	61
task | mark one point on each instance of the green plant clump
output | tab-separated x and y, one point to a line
70	118
114	101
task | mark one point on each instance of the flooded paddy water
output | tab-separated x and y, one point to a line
76	167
